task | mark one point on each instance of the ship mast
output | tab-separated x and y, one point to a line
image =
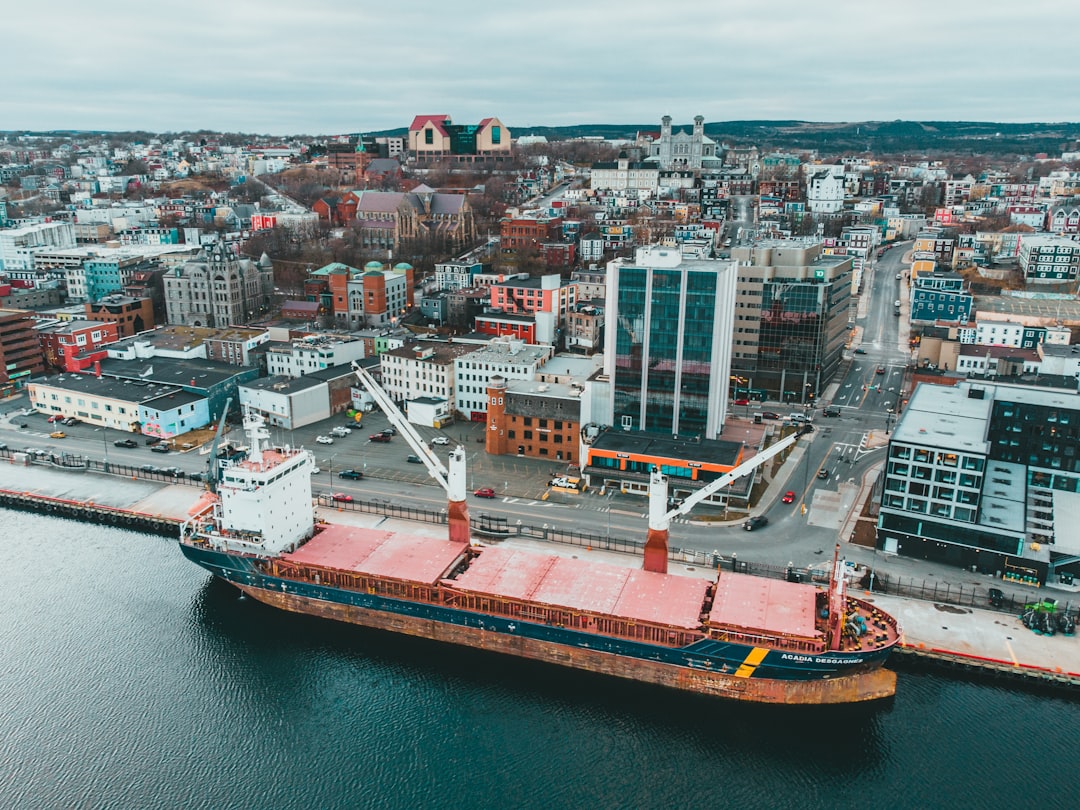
837	601
656	543
453	481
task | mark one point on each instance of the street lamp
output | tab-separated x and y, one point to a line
105	444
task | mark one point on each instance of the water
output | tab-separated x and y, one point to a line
130	679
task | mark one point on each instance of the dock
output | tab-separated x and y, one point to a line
980	643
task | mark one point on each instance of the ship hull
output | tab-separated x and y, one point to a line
708	667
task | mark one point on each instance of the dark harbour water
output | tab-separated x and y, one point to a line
130	679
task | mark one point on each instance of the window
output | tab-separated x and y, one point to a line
496	135
429	136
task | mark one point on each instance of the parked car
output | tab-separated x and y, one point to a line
175	472
440	440
379	437
153	439
316	470
69	421
755	522
352	475
484	492
997	597
389	431
341	497
823	473
55	418
129	443
340	432
58	434
160	448
769	415
413	459
324	440
789	496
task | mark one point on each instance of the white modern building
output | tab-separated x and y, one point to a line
18	245
505	357
313	353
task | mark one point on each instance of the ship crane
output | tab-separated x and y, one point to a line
656	545
452	480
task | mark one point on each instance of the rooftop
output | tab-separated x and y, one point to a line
946	417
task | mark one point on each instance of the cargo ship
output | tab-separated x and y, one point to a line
732	635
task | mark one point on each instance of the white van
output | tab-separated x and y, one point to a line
798	417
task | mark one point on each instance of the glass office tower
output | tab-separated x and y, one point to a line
668	354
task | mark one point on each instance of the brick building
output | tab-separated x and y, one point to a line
539	420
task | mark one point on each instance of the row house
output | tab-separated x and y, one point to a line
1064	219
496	323
523	232
1061	183
1049	259
506	357
547	296
958	189
311	354
66	345
421	370
455	275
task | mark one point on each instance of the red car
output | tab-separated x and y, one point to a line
789	497
341	497
484	492
742	402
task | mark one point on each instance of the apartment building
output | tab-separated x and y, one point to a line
985	476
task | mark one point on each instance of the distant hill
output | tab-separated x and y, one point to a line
872	136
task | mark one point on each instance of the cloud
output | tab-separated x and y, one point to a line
325	67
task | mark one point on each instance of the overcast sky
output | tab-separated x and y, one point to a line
327	66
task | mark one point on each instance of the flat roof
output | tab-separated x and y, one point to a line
946	417
283	385
772	606
172	399
379	553
584	585
194	372
127	390
712	451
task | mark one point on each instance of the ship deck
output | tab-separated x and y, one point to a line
767	606
585	586
379	553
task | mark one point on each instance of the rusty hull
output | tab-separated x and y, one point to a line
873	685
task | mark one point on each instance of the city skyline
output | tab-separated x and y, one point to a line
276	69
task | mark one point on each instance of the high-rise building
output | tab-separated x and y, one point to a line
791	319
668	342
